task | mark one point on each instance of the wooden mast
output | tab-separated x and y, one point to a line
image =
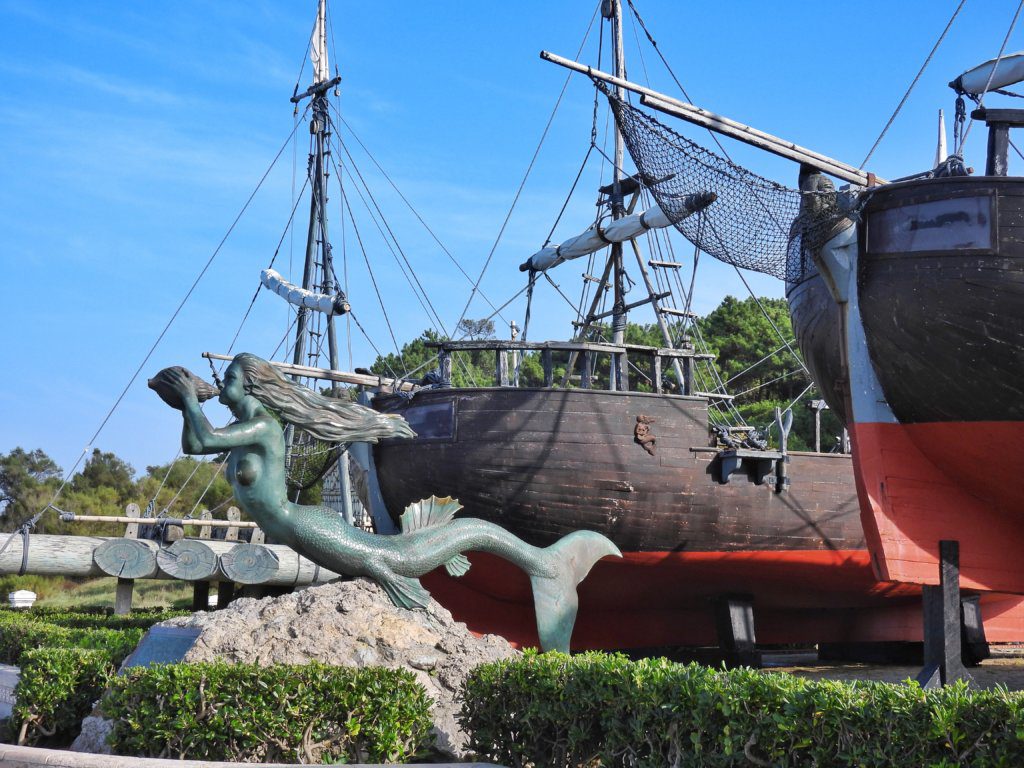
620	377
318	274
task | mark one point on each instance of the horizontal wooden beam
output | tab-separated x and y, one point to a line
724	125
71	517
345	377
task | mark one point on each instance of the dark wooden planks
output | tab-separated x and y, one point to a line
546	462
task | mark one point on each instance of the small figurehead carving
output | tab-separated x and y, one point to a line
643	434
431	534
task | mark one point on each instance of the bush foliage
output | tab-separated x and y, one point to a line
596	709
56	689
22	632
309	713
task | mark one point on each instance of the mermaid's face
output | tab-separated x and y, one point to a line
233	390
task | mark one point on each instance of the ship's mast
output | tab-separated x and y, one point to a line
318	270
613	9
318	273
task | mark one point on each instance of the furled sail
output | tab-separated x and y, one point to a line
617	231
319	302
1010	70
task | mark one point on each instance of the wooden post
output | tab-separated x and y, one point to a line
656	366
225	594
234	515
501	368
126	587
549	372
998	149
687	382
587	371
206	530
943	662
735	624
201	589
444	363
201	596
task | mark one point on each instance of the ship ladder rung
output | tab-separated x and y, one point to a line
668	264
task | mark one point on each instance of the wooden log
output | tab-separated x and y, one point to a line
72	556
188	559
126	558
249	564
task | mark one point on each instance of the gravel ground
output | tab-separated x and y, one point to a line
1006	667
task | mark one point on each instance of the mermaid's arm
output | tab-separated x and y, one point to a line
199	436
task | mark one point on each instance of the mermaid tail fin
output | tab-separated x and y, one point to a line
404	591
568	562
433	513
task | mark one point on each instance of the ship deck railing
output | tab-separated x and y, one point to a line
586	354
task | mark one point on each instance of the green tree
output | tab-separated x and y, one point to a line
106	470
184	486
28	480
746	348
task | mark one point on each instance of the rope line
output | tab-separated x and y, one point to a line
170	322
913	83
526	176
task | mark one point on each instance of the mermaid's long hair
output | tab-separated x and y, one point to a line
326	418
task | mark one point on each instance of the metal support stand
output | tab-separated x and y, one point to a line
734	615
942	660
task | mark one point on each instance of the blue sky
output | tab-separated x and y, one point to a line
132	134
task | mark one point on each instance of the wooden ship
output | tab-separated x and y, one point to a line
704	525
919	333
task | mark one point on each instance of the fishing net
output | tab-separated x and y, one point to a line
754	223
309	459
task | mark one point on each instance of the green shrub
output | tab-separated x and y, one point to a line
596	709
56	689
310	713
20	632
99	619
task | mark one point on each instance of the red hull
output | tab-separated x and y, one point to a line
920	483
653	599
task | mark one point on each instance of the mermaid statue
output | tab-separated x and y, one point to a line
431	536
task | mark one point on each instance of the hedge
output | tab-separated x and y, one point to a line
605	710
56	689
98	619
21	632
282	713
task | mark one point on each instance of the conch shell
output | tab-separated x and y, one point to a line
162	385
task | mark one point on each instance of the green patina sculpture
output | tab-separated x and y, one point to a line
430	537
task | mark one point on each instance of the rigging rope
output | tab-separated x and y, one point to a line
913	83
415	212
995	65
170	322
529	169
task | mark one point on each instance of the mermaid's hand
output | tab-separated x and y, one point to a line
176	386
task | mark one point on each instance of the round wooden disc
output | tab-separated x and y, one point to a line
188	559
125	558
249	564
